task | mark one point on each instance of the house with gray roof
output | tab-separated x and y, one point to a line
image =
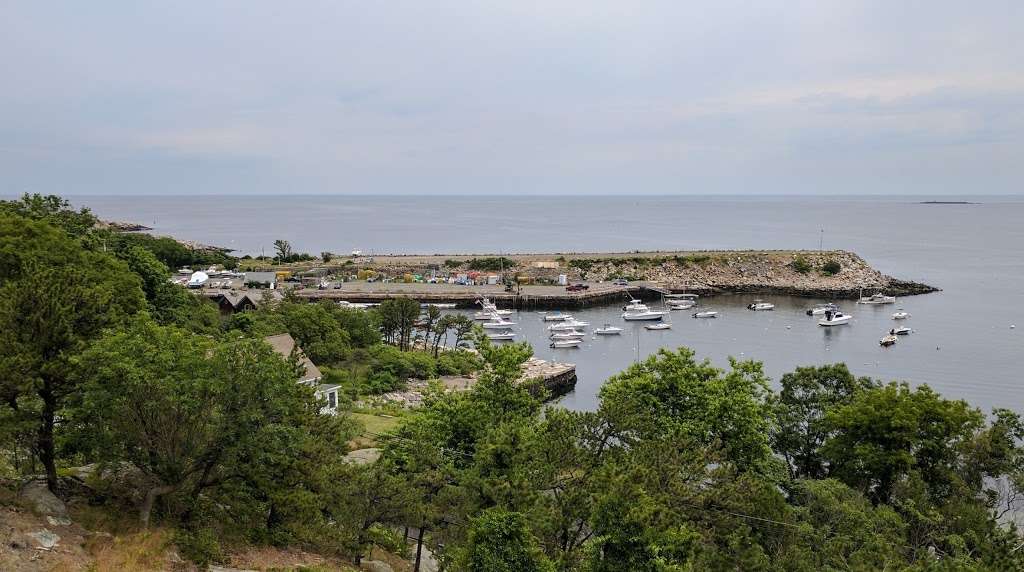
284	344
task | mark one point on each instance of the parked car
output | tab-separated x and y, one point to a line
576	287
620	282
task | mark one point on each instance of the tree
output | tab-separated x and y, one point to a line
500	541
671	392
430	318
807	395
55	297
169	303
326	256
283	249
190	413
53	210
887	432
398	317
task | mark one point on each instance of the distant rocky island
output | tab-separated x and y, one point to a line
947	203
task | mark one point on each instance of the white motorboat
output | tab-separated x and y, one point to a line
759	306
498	324
900	314
692	297
901	331
484	315
887	341
488	307
835	318
706	314
438	305
643	315
608	330
877	298
570	335
566	343
557	317
680	304
658	326
506	335
567	325
352	305
820	309
635	306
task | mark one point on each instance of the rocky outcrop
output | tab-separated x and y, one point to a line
36	494
122	226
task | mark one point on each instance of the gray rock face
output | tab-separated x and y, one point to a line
375	566
42	500
363	456
44	539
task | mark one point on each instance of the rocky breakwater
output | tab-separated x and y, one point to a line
824	274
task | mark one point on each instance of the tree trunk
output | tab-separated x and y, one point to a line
147	504
47	454
419	550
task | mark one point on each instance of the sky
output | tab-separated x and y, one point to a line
519	97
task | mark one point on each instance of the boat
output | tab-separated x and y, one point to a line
489	307
760	306
567	325
887	341
901	331
566	343
705	314
836	318
635	306
498	324
570	335
608	330
439	305
900	314
820	309
557	317
658	326
484	315
352	305
680	304
643	315
506	335
877	298
682	296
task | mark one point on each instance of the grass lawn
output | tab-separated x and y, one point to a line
375	424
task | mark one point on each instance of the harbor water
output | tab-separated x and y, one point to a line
962	345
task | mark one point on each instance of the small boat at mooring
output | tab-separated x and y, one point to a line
706	314
608	330
887	341
569	335
498	324
557	317
900	314
658	326
643	315
506	335
877	298
820	309
760	306
835	318
901	331
566	343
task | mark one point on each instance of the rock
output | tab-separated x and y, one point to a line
58	520
215	568
363	456
45	539
375	566
42	500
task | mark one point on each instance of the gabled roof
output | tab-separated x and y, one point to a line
284	344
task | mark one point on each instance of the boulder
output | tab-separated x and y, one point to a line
42	500
375	566
44	539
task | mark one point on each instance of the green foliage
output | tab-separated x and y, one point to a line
326	256
831	268
459	362
491	264
403	365
670	392
500	541
53	210
801	265
199	546
397	318
451	263
582	264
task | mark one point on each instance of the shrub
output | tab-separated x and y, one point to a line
492	263
458	363
199	546
831	268
801	265
452	263
403	365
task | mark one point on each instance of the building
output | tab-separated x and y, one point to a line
233	301
264	279
285	345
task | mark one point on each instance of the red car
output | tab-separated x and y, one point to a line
577	288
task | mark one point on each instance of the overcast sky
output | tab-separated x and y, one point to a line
563	97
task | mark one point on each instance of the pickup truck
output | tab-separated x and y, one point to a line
576	287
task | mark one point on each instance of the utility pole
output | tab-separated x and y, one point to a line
821	240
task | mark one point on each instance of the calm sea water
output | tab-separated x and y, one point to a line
962	345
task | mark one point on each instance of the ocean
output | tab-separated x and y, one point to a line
963	344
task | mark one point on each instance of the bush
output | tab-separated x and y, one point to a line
403	365
199	546
801	265
452	263
491	264
458	363
831	268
